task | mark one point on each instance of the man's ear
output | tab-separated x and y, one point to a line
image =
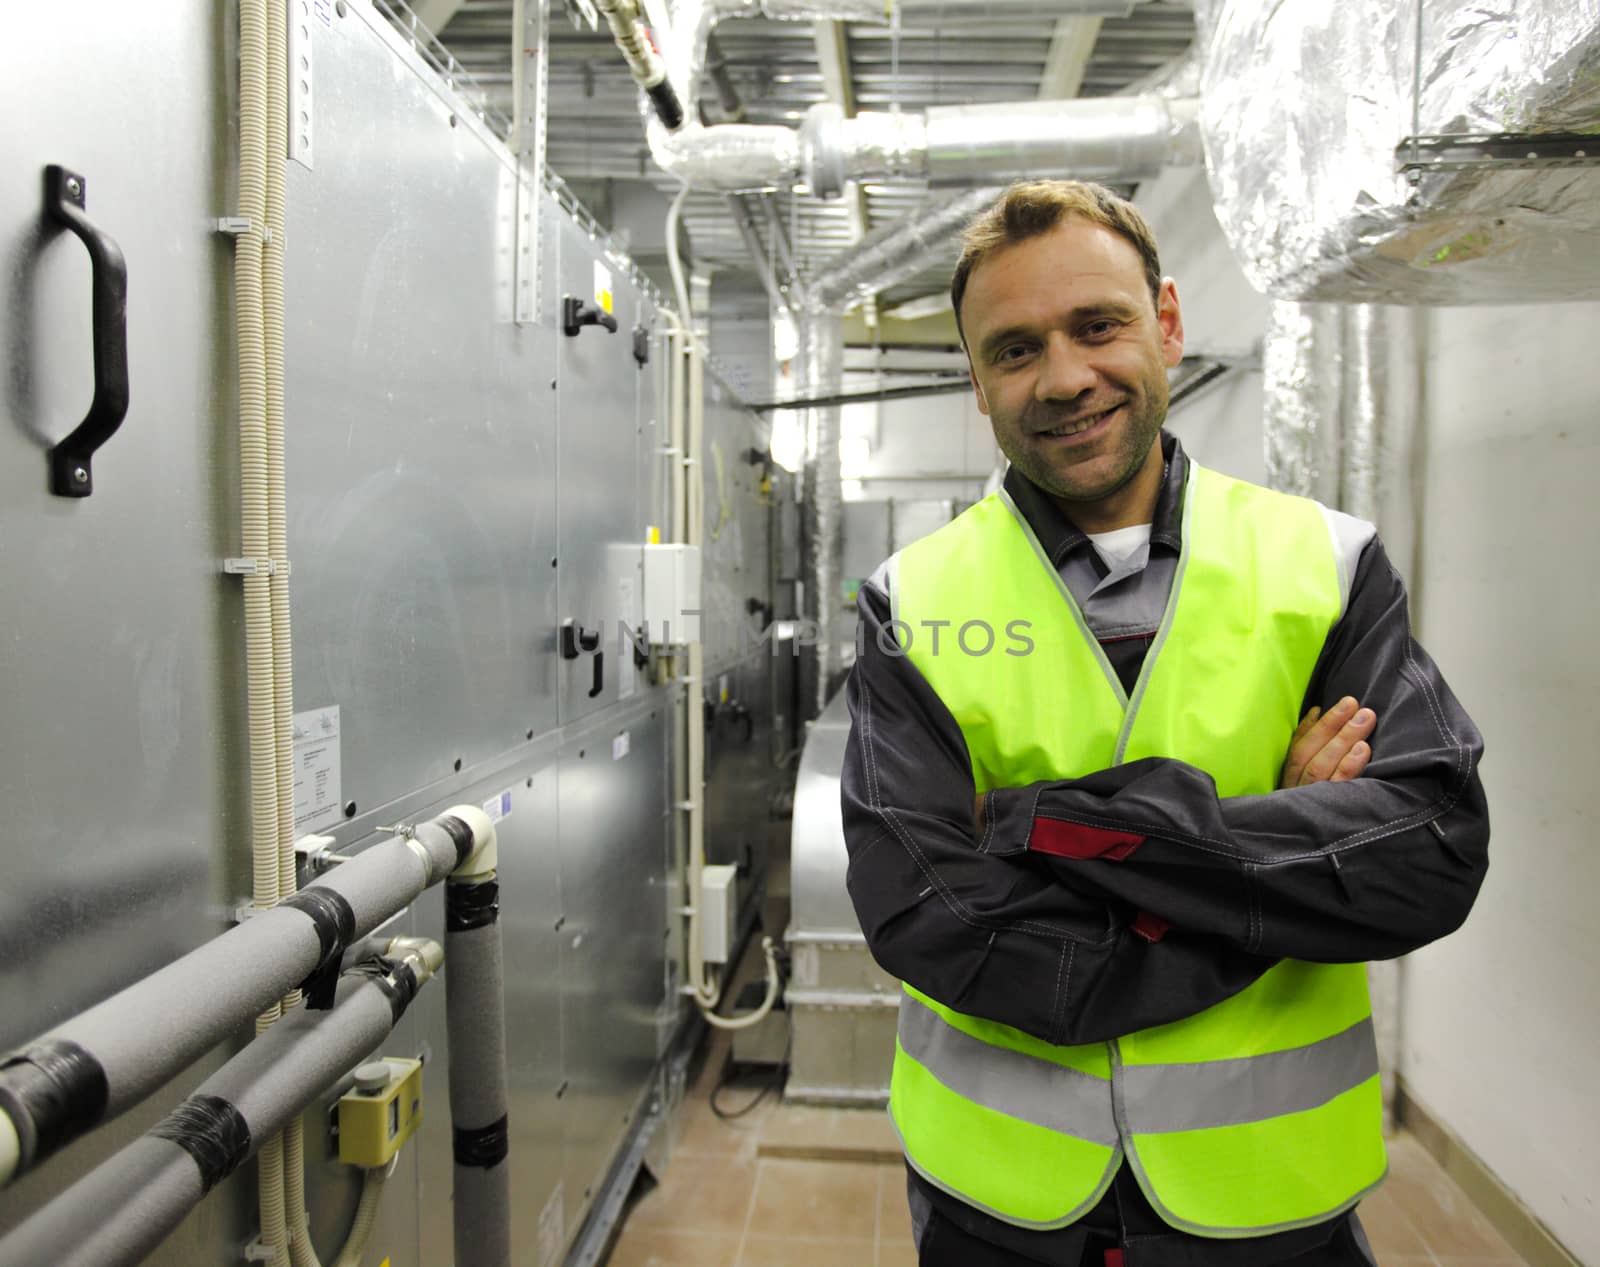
1169	316
977	387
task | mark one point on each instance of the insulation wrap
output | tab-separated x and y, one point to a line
335	923
469	906
1304	106
212	1132
53	1092
483	1147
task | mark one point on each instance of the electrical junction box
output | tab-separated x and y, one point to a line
719	912
672	589
381	1112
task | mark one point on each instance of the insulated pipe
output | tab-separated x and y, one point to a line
752	242
646	66
1098	138
106	1060
475	1019
821	365
123	1209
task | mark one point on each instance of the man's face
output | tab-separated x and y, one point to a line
1069	357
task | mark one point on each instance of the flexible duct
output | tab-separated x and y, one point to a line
894	252
821	371
1308	182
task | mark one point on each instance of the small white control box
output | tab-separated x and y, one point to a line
719	911
672	594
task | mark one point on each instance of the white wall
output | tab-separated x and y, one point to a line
1502	1021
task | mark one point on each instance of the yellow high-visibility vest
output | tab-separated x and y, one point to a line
1259	1114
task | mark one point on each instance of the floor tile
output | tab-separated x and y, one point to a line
646	1246
894	1215
897	1255
815	1199
1449	1224
804	1131
702	1133
765	1251
1392	1234
710	1195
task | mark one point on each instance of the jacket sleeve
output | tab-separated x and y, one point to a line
1335	872
1004	938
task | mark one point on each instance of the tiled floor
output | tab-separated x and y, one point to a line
787	1187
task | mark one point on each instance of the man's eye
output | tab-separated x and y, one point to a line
1099	329
1011	352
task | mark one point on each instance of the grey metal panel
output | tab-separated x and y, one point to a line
421	433
739	771
601	518
121	741
613	942
734	567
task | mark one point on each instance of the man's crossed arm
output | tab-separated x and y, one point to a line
1199	895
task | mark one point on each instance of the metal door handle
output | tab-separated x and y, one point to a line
71	474
599	674
575	314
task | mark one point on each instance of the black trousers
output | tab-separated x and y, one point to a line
1129	1240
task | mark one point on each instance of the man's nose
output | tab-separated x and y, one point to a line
1064	371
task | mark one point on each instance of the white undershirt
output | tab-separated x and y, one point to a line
1120	544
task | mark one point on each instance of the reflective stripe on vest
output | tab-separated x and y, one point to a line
1257	1114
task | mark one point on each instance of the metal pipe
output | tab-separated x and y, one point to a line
124	1208
105	1060
758	253
475	1019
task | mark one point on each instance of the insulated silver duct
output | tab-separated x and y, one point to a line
894	252
821	371
1306	104
1099	138
1102	138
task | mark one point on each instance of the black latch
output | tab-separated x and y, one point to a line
575	314
641	346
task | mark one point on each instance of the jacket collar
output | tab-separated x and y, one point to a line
1060	536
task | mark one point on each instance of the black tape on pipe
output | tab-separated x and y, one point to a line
336	925
212	1132
53	1091
460	834
668	108
484	1147
469	906
395	977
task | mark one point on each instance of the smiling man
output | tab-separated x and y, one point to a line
1129	865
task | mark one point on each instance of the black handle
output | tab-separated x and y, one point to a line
576	639
575	314
599	674
71	472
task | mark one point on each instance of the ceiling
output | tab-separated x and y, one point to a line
777	70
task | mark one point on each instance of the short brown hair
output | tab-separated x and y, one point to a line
1033	208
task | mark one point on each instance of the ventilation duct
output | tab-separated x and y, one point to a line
821	366
1306	104
1102	138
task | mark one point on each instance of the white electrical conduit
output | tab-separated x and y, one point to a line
255	537
706	994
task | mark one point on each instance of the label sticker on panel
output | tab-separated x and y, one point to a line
498	807
619	746
316	770
602	286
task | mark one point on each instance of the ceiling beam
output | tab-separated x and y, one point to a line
833	59
1070	48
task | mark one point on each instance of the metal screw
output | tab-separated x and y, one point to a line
81	475
74	186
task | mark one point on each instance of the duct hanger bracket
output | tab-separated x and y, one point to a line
1492	151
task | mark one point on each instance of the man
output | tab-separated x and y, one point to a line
1136	1027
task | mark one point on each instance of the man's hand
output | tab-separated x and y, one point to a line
1329	747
